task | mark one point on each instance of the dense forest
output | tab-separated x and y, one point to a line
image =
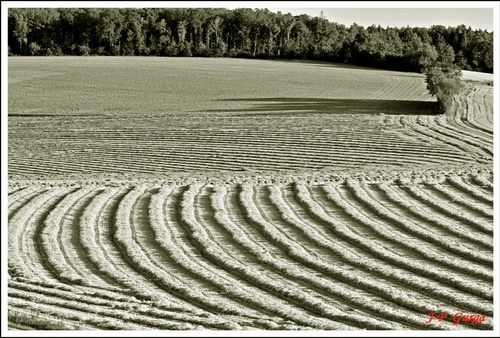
242	32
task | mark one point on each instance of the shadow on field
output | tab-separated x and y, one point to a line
292	106
338	65
344	65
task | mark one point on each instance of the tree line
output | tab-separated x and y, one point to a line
243	32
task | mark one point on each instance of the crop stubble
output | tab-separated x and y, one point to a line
187	194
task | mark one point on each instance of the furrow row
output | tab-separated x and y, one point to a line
379	251
345	252
409	233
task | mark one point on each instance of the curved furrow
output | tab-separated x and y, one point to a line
471	135
95	252
53	245
21	197
448	132
457	120
233	237
164	222
463	112
21	194
459	113
236	216
421	194
267	301
253	252
409	122
475	107
378	250
475	123
124	238
137	259
422	253
24	255
142	309
473	138
31	318
88	315
178	238
302	282
419	125
57	287
343	252
462	201
483	182
151	234
487	102
430	220
13	189
114	262
141	314
386	300
115	300
70	242
470	190
410	236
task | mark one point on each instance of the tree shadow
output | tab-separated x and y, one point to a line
274	106
318	63
349	66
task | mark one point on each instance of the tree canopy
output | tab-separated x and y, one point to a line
242	32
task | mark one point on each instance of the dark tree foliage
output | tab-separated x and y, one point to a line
444	83
243	32
442	74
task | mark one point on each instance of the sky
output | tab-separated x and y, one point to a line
476	18
476	14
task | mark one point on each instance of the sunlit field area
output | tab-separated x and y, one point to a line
155	193
151	115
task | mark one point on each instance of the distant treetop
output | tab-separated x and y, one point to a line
242	32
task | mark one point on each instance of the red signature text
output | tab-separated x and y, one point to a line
457	318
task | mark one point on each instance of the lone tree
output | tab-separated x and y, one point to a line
442	75
444	83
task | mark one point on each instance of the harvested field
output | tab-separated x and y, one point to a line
345	254
178	115
227	194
